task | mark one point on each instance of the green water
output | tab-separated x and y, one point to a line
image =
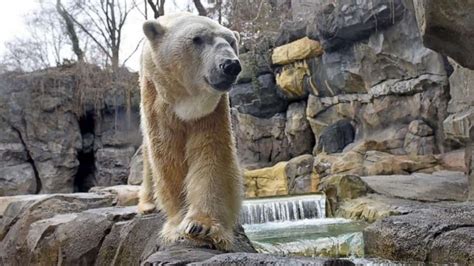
328	237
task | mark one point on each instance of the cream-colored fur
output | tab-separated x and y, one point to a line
190	165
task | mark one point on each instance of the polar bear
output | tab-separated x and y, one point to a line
191	172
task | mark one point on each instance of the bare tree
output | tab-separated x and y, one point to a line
70	31
43	46
158	7
200	8
103	21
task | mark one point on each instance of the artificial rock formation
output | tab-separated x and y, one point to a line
285	178
59	137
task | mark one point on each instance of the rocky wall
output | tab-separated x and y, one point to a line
56	138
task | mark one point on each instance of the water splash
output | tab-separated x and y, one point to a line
346	245
283	209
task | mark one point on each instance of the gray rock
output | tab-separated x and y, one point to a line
298	131
131	242
112	165
83	229
180	256
17	180
259	98
457	126
420	139
136	168
370	62
448	27
345	22
469	160
420	128
439	186
291	31
18	218
186	251
416	145
461	88
376	117
260	142
335	137
298	170
40	109
460	108
432	235
12	150
268	259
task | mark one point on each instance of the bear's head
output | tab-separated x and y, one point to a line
193	51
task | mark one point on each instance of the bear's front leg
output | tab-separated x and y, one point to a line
213	183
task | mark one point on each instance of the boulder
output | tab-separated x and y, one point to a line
270	181
125	195
83	228
436	234
260	142
296	50
339	188
371	158
368	208
298	131
344	22
290	80
420	139
453	160
448	27
258	98
299	174
285	178
438	186
336	137
18	233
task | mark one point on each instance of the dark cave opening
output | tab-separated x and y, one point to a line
85	177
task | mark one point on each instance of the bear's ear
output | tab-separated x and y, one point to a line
237	36
153	30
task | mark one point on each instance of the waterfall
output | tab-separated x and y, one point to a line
295	208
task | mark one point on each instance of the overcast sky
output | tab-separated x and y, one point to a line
13	13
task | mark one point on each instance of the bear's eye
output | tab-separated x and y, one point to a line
198	40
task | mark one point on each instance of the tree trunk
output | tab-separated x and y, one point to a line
71	32
200	8
115	60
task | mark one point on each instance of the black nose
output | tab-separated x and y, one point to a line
231	67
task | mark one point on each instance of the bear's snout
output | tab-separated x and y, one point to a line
231	67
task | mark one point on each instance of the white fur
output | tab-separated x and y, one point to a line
197	106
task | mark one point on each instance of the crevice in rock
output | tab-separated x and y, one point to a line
85	176
440	232
29	160
94	253
449	228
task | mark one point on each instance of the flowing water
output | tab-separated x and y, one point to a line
297	226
